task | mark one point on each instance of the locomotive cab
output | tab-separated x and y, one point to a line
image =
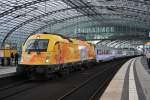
35	51
35	57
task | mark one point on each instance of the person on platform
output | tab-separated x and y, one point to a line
16	58
12	58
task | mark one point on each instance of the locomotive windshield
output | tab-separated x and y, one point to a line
39	45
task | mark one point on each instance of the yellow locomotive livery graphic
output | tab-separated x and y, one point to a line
49	53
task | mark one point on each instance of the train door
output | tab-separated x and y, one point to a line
57	53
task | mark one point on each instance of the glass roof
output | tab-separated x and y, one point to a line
20	18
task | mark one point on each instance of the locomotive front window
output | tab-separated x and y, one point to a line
40	45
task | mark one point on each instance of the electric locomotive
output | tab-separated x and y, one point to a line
44	54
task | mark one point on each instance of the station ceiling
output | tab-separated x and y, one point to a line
21	18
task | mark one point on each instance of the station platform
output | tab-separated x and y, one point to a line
131	82
6	71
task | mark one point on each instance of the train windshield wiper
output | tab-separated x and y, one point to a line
36	45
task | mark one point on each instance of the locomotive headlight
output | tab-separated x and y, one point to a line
47	59
38	37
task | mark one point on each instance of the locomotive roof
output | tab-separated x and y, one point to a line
52	36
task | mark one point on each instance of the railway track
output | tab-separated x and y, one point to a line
92	88
13	85
16	88
83	85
